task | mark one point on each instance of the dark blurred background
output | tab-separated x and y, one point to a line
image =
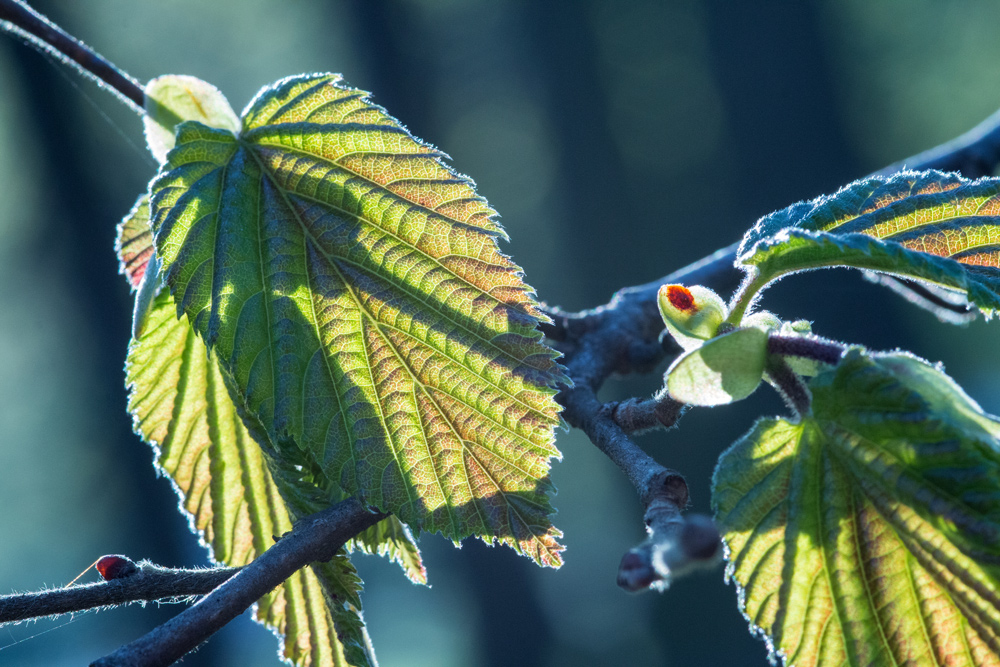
619	141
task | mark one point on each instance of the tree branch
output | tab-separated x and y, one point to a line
316	538
151	583
19	18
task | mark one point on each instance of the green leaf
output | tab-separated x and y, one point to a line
389	537
930	226
351	286
725	369
181	406
174	98
134	242
392	538
869	532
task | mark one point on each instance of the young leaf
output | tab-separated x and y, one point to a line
174	98
725	369
181	407
691	315
134	242
351	286
869	532
931	226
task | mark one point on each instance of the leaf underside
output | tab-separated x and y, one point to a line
934	227
350	285
869	533
181	405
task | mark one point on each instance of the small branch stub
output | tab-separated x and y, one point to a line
636	416
677	545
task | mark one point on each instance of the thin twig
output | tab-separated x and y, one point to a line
315	538
152	583
18	18
676	543
808	347
793	390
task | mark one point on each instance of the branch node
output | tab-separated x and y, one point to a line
636	416
674	549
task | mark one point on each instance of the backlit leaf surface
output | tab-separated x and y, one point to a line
869	532
389	537
181	406
351	286
134	243
932	226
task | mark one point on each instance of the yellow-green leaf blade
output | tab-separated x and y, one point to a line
869	532
392	538
181	406
350	283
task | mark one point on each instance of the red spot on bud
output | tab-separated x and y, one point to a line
680	297
115	567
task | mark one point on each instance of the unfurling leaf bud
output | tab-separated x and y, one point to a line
692	314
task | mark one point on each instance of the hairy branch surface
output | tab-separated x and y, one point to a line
151	583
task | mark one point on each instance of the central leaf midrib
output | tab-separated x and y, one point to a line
909	560
364	347
817	483
869	597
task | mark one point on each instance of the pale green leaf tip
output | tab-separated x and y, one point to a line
174	98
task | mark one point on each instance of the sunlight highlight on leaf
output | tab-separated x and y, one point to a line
351	286
869	533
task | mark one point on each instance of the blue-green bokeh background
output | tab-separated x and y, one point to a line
618	140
